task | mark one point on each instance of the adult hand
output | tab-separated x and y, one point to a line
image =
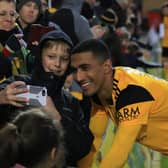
98	31
8	95
51	109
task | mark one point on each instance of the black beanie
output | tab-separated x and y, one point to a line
20	3
109	16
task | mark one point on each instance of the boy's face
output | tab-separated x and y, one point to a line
56	59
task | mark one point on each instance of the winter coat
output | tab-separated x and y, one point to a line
78	137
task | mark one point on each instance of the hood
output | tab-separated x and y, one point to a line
53	82
73	4
56	35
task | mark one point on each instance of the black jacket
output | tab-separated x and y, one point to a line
5	63
78	137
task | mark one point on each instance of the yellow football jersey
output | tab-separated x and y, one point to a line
140	98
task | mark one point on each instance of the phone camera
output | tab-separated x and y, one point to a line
43	92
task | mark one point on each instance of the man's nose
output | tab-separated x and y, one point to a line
80	75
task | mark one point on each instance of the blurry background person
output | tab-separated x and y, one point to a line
164	42
70	20
44	6
29	11
9	44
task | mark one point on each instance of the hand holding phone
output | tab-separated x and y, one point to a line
36	95
8	94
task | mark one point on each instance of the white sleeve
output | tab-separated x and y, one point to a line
161	30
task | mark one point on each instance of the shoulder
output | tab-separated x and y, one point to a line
133	94
131	86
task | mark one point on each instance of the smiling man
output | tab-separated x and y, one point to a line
130	98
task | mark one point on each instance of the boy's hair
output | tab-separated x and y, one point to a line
39	135
51	43
97	47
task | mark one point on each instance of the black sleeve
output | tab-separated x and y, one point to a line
5	66
78	136
8	112
25	78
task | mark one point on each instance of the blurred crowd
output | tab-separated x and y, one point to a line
120	23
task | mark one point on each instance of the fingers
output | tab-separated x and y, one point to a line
16	88
17	104
16	83
51	109
9	94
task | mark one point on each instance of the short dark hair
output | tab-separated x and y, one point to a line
97	47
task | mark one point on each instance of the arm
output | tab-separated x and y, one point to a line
78	136
122	145
51	109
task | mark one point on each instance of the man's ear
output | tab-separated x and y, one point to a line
53	153
107	66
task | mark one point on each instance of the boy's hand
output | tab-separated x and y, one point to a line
51	109
8	95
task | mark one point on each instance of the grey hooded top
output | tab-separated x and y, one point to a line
82	27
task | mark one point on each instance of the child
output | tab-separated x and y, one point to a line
52	66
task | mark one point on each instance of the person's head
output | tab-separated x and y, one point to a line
109	17
8	14
44	5
91	65
91	2
123	3
29	11
57	4
55	49
9	145
41	140
164	8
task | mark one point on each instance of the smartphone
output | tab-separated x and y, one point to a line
37	95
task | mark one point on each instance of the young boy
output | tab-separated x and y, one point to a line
50	71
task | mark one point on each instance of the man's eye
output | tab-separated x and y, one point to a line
85	68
